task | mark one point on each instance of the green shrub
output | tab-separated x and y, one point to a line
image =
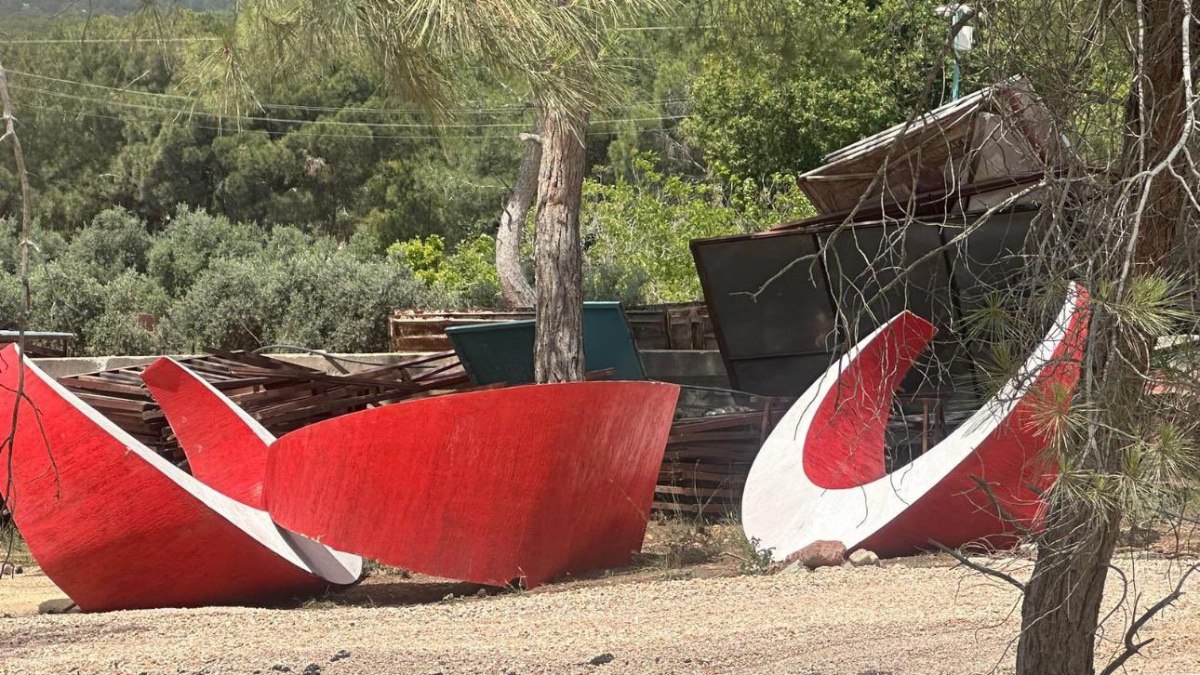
47	245
115	241
10	300
194	239
341	303
117	330
65	297
468	273
229	306
333	301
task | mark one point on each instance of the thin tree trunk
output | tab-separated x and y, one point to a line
558	258
1062	600
10	134
514	287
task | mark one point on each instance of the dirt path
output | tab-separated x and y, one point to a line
914	617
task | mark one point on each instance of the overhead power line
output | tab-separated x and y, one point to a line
513	108
430	137
322	122
206	38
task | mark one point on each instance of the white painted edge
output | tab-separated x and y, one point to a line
784	511
333	566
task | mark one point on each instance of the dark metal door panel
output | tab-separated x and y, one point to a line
864	263
791	315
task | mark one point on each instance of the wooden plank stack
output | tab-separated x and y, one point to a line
708	458
673	326
420	330
281	395
682	326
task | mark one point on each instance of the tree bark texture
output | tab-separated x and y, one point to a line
1062	600
1162	128
514	287
1061	607
558	256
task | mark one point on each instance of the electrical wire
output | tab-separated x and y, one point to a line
516	108
202	38
338	123
322	122
595	133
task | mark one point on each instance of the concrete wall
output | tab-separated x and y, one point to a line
682	367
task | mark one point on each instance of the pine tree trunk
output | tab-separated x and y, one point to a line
558	258
514	287
1061	607
1062	600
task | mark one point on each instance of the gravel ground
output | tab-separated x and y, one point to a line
914	616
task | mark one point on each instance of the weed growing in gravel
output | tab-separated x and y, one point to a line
675	541
13	550
373	568
751	557
680	542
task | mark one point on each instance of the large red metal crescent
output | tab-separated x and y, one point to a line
116	526
225	447
525	483
815	477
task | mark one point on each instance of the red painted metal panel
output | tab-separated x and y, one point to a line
1010	461
225	447
117	527
522	483
850	425
815	478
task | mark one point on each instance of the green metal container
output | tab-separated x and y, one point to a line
503	352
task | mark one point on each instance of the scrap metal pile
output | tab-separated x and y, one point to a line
282	396
953	196
296	473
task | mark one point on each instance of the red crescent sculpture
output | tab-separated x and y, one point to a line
226	448
525	483
819	475
116	526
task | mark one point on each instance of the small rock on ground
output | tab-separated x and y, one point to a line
823	553
795	568
862	558
601	659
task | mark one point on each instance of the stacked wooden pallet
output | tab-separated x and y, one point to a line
708	458
683	325
673	326
418	330
281	395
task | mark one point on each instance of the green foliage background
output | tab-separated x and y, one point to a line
306	214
